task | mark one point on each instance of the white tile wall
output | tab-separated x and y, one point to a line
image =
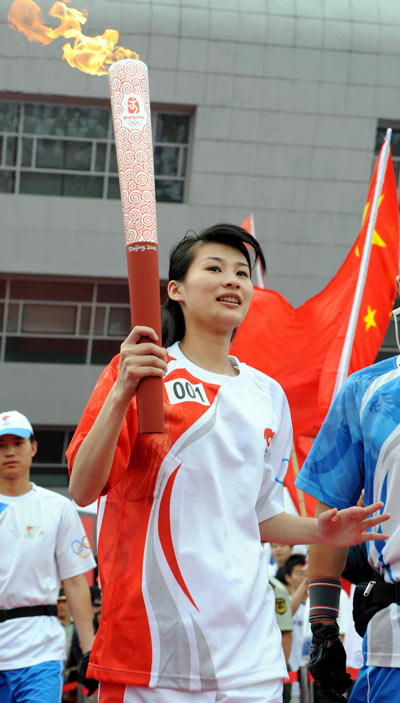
340	164
281	30
282	7
162	84
338	9
337	34
309	32
253	27
163	52
363	68
165	19
196	21
366	11
389	34
250	60
220	89
135	17
389	12
222	57
309	8
307	63
193	54
365	37
190	88
331	98
224	25
335	66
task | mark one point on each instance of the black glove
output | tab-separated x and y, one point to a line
321	696
90	684
328	660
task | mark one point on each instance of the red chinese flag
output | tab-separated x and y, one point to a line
301	347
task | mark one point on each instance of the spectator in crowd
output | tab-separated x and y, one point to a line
296	575
48	545
279	552
284	619
295	570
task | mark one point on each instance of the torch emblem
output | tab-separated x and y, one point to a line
134	114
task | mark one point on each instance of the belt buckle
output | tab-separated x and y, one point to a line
369	588
3	615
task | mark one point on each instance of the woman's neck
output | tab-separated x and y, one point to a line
208	351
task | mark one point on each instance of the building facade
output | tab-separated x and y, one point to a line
270	107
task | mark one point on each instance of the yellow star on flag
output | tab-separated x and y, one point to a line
376	238
369	319
367	206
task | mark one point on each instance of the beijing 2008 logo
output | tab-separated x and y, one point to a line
134	114
81	547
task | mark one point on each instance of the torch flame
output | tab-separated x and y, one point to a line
89	54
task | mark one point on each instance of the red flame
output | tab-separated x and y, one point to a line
89	54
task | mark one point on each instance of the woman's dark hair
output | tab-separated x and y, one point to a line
181	256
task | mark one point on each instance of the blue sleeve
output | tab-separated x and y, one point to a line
334	469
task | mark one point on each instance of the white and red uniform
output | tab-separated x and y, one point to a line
186	600
42	543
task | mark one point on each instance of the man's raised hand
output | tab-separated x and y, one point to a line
344	528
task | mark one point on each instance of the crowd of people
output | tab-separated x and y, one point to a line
189	611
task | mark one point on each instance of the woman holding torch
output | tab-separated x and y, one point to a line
188	616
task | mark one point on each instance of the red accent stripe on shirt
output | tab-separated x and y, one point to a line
164	531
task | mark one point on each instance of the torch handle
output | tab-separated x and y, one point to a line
144	294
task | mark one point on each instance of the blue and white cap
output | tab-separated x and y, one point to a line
13	422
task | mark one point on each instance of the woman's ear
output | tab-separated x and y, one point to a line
174	291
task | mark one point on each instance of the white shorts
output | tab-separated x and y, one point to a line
266	692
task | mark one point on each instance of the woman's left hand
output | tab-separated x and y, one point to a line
344	528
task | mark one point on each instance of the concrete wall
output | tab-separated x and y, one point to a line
49	394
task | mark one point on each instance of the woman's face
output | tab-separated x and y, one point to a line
217	288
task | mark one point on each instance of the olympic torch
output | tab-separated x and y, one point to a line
130	103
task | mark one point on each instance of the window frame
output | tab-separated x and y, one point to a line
106	174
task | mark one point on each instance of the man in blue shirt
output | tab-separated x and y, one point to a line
358	448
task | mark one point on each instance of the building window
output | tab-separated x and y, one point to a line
394	146
49	149
62	322
49	466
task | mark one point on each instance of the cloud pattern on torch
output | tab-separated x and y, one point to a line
130	103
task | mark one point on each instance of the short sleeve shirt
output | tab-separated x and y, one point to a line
46	544
358	447
179	532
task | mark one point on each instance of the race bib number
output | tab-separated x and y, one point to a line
182	391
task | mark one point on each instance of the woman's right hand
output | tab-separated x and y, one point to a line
138	360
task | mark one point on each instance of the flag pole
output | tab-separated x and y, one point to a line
344	363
